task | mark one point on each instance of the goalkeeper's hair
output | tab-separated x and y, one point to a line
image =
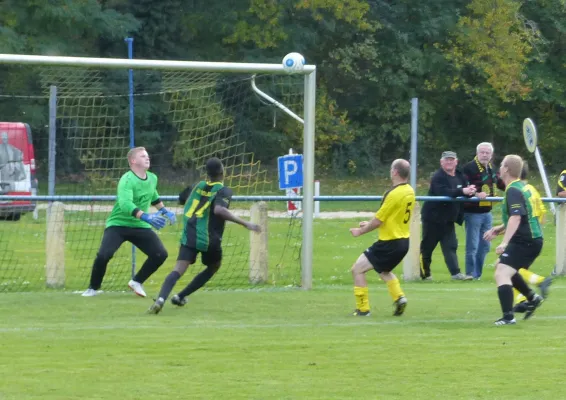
214	168
134	152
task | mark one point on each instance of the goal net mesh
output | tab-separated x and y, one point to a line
182	119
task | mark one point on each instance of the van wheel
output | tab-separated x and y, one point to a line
13	217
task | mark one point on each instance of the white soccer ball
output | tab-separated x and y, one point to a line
293	62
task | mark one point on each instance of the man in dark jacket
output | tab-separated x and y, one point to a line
477	215
438	218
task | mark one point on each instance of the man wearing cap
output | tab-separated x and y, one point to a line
438	218
477	215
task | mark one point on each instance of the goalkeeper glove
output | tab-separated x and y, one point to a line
155	220
170	215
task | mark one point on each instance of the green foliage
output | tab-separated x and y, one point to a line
495	43
268	24
200	119
333	132
478	67
61	27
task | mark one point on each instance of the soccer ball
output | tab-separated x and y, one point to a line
293	62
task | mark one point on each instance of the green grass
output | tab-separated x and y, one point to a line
23	254
278	343
285	343
281	345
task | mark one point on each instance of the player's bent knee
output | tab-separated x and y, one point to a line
103	256
361	268
161	257
357	269
181	266
504	270
213	268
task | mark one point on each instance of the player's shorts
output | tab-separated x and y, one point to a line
521	254
211	257
385	255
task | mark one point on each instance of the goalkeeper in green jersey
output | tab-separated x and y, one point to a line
130	221
205	215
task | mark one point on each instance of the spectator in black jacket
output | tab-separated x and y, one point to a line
438	218
477	215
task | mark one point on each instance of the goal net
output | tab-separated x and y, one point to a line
182	118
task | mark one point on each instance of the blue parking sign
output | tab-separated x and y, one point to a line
290	171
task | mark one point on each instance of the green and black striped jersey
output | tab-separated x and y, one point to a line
203	229
517	202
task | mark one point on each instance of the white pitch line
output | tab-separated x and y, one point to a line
415	286
430	287
212	325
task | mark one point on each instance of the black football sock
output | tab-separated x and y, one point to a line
520	284
168	284
505	293
197	282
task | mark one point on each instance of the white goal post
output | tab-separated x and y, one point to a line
309	73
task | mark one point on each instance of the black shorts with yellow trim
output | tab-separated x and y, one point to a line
384	255
521	254
208	258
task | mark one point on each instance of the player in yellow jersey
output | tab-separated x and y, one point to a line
539	212
561	187
393	220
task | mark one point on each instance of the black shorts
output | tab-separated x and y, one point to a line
521	254
385	255
211	257
144	239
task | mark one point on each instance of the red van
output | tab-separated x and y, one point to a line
17	169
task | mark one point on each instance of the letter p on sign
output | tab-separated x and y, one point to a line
290	171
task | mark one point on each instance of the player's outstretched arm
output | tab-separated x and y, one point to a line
366	227
225	214
185	194
493	232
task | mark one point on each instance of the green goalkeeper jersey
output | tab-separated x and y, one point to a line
134	194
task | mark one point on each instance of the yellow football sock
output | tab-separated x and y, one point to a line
394	289
519	298
531	277
362	298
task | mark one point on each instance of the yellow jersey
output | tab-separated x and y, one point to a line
395	212
539	210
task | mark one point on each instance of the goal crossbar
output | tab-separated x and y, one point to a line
201	66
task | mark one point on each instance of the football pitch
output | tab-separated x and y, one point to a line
286	343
